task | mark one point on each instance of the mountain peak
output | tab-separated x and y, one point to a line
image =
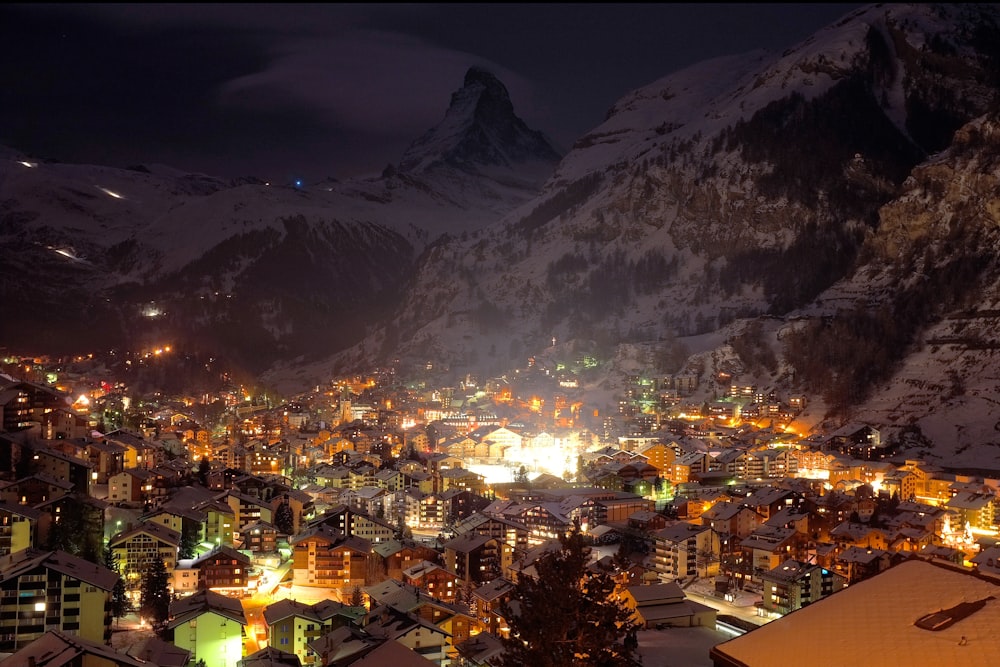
479	129
479	75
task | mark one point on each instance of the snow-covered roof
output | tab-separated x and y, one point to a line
873	623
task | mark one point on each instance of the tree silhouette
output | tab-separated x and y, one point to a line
77	529
120	604
190	538
567	614
284	518
155	594
521	476
204	467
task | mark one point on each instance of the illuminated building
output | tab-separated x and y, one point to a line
210	626
292	626
685	550
794	584
136	550
327	558
223	570
44	591
474	558
18	524
23	404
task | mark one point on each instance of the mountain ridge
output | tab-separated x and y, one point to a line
738	189
819	220
296	269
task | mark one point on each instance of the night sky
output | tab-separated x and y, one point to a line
316	90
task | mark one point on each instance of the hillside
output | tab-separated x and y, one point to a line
255	272
773	188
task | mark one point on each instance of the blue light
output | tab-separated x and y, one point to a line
298	182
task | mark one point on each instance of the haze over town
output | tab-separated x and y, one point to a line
491	347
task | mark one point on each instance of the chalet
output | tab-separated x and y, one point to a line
355	523
976	510
393	557
415	629
106	459
768	500
299	502
247	508
460	478
482	650
324	557
767	547
62	466
34	490
987	561
486	601
137	452
259	538
731	520
438	582
224	570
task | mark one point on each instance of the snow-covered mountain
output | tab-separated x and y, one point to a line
823	220
93	256
770	197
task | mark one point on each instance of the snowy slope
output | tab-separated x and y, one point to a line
739	188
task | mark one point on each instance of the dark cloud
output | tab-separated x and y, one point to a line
336	89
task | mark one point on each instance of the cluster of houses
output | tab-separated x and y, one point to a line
410	556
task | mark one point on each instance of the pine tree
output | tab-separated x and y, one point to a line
190	538
357	597
76	530
284	518
120	604
155	594
566	615
204	468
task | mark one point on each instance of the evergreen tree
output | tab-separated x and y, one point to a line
521	476
567	614
155	594
204	467
190	535
284	518
120	604
357	597
77	530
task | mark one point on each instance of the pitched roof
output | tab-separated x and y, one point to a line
57	649
270	657
155	530
204	602
877	622
22	562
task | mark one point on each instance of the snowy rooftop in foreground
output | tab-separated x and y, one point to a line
874	623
